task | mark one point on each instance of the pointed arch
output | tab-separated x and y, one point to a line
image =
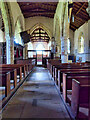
6	18
41	26
22	24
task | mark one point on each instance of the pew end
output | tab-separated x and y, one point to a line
79	103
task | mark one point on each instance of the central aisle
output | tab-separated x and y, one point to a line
36	98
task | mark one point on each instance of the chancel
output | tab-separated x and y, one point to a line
45	59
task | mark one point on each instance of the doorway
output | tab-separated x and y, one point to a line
39	57
39	49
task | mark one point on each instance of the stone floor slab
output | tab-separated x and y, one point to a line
36	98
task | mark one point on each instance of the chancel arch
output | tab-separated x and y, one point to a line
40	25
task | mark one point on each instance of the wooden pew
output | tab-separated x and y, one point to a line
12	80
24	62
55	70
57	65
5	82
80	105
59	77
65	66
20	68
13	69
71	67
51	62
30	62
13	74
67	81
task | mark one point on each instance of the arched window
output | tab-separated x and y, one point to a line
81	43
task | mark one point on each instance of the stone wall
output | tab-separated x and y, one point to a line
33	22
86	54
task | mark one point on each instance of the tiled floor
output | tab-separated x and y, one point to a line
36	98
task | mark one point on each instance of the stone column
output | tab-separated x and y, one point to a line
12	49
64	55
8	55
88	55
9	49
25	51
65	36
53	44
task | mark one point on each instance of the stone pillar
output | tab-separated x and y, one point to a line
9	49
8	55
65	36
25	52
53	44
12	49
88	55
64	55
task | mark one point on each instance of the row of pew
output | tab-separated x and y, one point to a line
73	83
12	76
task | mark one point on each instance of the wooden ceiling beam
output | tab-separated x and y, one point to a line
38	29
51	3
80	17
85	16
74	27
24	3
40	6
78	4
80	8
83	10
77	21
39	11
36	8
39	39
80	14
39	33
49	16
39	36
